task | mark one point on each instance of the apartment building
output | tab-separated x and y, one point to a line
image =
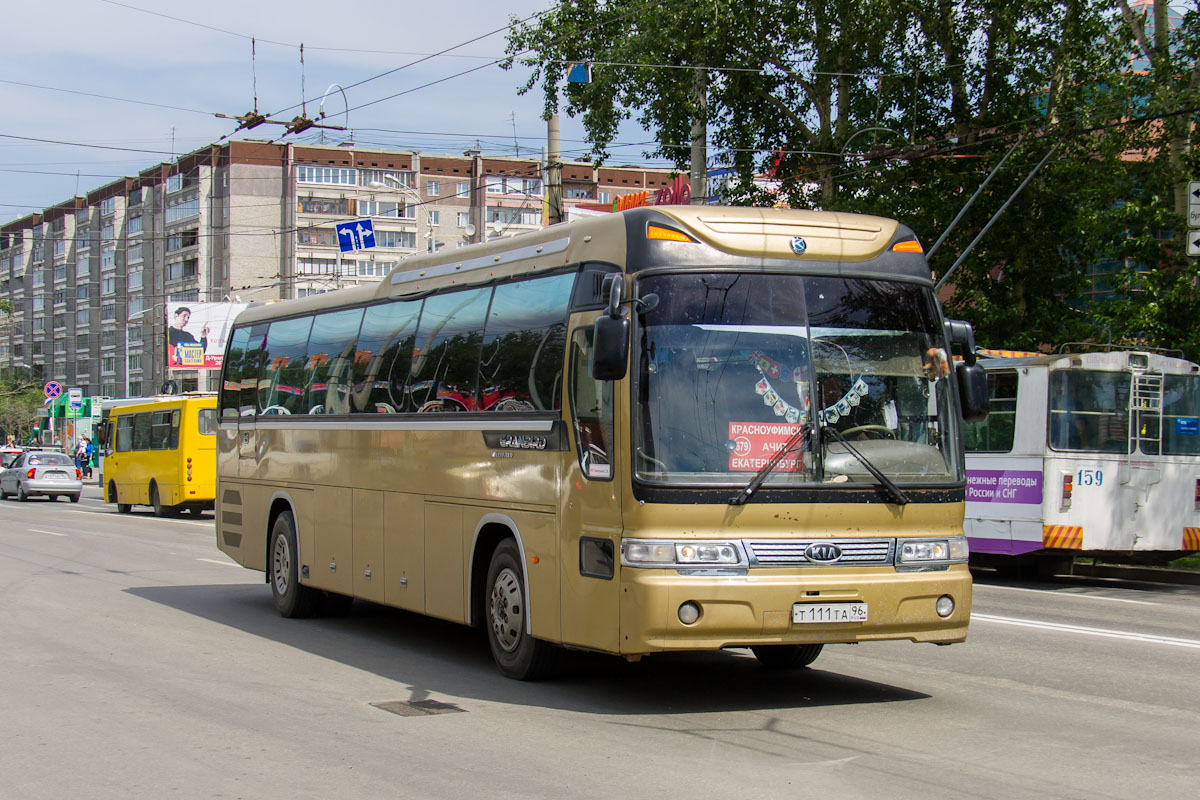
93	280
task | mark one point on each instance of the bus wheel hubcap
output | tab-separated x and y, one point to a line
508	611
283	564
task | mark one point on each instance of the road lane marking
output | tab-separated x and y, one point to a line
222	563
48	533
1065	594
1057	626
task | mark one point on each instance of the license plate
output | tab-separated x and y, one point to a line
829	612
55	476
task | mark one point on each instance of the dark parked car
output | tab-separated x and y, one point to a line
44	472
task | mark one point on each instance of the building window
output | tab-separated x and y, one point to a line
174	182
324	266
306	291
60	321
107	286
81	317
60	273
60	247
464	218
81	342
39	325
134	253
108	312
135	278
135	362
578	194
326	205
108	205
180	240
406	239
603	197
82	266
182	208
435	218
81	292
307	173
106	232
318	236
433	188
60	297
385	208
462	189
134	225
135	306
374	269
108	258
39	302
135	196
181	269
404	178
108	365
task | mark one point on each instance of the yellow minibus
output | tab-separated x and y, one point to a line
161	452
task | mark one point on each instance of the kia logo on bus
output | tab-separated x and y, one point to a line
799	245
823	553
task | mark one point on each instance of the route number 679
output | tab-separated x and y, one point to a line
1090	477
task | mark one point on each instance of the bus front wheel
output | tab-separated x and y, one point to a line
517	654
786	656
291	599
122	508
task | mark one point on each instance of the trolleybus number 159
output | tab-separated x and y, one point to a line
829	612
1091	477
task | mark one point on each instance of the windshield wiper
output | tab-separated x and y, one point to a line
793	442
893	491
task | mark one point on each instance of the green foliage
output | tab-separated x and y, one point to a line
19	402
903	109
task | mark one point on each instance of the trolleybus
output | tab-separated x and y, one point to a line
1087	453
664	429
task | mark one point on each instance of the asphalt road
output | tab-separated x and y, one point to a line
137	661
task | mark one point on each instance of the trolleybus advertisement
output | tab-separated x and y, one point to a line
196	333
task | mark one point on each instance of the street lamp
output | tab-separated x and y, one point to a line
133	316
409	191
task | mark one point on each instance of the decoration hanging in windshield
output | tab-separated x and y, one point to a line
769	369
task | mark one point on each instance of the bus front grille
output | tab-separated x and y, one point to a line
795	552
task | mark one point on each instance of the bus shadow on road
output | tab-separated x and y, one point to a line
432	656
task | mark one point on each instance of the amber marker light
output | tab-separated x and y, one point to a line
667	235
911	246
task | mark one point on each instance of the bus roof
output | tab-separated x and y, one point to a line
1115	360
740	236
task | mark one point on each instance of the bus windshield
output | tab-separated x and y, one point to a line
731	365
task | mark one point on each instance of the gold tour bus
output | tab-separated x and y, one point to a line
670	428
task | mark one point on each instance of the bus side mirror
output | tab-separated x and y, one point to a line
972	391
102	435
610	348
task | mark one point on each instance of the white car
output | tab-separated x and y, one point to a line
41	472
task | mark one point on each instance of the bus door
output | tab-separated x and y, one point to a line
591	539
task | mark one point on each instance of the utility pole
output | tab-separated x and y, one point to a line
699	159
554	198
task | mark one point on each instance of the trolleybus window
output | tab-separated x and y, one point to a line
995	434
731	365
1089	410
1181	426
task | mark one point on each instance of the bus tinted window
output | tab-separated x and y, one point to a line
231	375
446	366
995	434
383	355
521	364
141	431
281	380
1089	410
327	376
125	433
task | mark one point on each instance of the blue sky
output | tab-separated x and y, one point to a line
184	61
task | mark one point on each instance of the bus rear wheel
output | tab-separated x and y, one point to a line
786	656
160	510
517	654
292	600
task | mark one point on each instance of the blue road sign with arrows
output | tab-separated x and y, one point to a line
357	234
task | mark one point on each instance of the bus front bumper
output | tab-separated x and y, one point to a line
757	608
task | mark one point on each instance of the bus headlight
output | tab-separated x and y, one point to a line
952	550
659	553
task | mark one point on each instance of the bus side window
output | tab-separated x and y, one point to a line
331	348
231	375
591	410
996	433
175	417
521	365
445	369
124	433
382	357
160	430
142	426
